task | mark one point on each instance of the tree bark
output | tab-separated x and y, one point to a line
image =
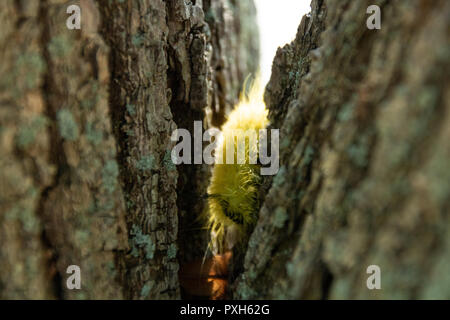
364	150
86	177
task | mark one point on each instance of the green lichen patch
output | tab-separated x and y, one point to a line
172	251
110	172
244	291
146	288
280	217
26	216
140	240
146	163
93	135
346	112
308	157
31	65
138	39
27	134
280	177
59	46
92	96
168	163
68	127
131	109
81	236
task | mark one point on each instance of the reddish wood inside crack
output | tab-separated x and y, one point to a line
206	278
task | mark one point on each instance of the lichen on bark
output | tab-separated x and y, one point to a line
86	120
364	117
86	176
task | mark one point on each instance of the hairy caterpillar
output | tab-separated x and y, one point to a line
233	189
232	196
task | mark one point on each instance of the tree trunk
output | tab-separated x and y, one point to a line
86	176
364	126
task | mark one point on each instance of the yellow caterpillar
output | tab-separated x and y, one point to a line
233	189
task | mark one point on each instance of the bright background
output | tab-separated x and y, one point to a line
278	22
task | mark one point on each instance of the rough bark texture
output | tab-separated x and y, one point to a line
85	171
364	123
69	99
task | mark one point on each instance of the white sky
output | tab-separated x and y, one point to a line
278	22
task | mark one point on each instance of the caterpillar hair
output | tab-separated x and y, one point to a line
233	189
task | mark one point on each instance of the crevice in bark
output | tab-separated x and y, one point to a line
327	281
56	156
192	235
